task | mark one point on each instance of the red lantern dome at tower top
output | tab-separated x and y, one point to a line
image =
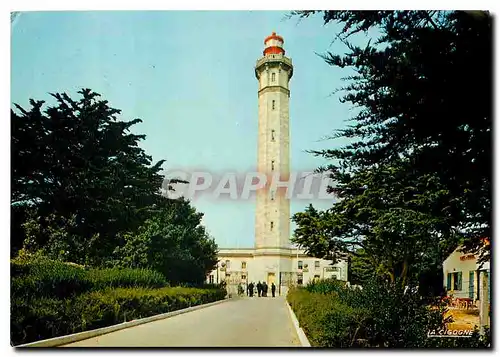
274	45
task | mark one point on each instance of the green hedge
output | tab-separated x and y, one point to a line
379	315
326	321
51	298
46	317
48	278
125	277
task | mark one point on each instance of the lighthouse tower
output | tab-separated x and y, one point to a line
272	222
273	260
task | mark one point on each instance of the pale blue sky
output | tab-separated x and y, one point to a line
190	77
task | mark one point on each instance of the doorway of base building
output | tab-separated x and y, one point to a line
270	278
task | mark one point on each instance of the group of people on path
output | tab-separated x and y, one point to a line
261	289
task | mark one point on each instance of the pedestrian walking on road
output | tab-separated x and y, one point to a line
273	289
264	289
250	289
259	288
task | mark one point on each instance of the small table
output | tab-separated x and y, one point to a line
465	302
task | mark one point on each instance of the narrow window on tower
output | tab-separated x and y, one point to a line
274	104
273	77
272	165
272	225
272	135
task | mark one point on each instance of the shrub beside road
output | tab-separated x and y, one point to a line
51	299
379	315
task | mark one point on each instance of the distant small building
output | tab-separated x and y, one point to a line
461	275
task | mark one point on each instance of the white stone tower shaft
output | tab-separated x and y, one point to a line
273	71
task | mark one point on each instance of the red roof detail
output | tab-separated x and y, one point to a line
274	50
273	37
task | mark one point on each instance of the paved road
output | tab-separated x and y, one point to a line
246	322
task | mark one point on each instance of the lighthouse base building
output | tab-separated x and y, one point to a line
273	259
285	268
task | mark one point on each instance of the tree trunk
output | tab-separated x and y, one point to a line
391	275
404	273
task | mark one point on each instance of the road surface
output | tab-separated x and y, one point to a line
245	322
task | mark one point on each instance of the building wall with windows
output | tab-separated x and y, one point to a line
312	268
461	274
242	266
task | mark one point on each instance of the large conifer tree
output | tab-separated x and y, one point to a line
416	177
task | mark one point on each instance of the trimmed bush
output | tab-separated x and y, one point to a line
46	318
326	286
325	320
125	278
48	278
104	308
379	315
51	298
38	319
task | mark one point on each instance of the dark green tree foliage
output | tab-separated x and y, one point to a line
18	215
392	223
361	268
81	175
417	174
83	191
173	242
